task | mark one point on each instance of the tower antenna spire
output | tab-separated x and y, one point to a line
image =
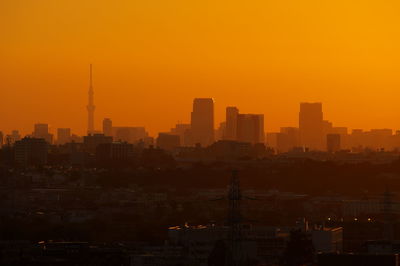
91	107
91	84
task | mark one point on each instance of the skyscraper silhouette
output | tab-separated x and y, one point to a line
183	131
293	137
231	122
250	128
91	107
63	135
42	131
107	127
30	151
202	121
12	138
311	126
332	142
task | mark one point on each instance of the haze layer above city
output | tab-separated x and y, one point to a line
152	59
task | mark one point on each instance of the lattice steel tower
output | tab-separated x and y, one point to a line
235	222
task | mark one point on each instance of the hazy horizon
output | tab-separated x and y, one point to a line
151	59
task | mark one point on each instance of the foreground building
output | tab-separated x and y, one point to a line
167	141
209	245
91	142
30	152
115	153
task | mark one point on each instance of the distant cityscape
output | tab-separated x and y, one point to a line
318	194
313	134
205	133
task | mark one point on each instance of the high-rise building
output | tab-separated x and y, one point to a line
107	127
340	130
183	131
231	123
357	139
63	135
344	136
91	107
77	139
333	142
129	134
280	142
15	134
202	121
30	151
220	132
113	154
42	131
311	126
380	138
12	138
250	128
91	142
167	141
230	149
272	141
326	127
293	137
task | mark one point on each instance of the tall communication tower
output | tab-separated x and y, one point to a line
91	107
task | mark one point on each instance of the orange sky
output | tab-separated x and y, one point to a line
152	57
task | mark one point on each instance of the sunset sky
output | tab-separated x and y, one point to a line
152	57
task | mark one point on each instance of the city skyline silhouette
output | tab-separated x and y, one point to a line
265	58
199	133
